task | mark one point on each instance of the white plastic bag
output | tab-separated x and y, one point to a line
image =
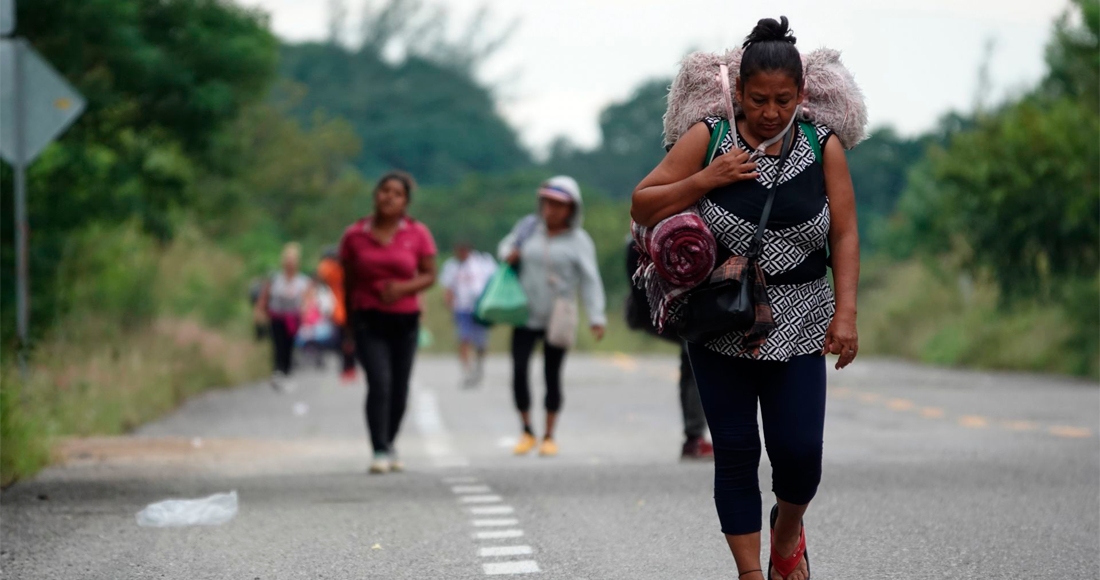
208	511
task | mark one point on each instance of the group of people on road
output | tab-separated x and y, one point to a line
301	312
386	260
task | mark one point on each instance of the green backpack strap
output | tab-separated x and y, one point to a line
716	137
811	136
723	127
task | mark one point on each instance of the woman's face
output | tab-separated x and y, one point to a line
556	213
290	262
391	200
768	99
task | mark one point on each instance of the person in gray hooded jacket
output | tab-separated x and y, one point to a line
556	259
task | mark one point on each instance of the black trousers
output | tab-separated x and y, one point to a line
283	342
386	346
695	420
791	396
347	356
523	344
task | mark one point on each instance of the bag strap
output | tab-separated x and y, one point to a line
757	241
811	136
716	137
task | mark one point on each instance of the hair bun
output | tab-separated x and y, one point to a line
768	29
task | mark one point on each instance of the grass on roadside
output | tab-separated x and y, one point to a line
80	387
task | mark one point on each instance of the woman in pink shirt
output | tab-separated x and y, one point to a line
388	259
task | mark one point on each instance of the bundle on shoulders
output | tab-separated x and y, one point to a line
832	96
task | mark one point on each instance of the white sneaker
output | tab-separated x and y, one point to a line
278	382
380	464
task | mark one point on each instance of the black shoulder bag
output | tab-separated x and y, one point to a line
718	308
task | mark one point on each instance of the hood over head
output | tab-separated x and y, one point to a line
564	188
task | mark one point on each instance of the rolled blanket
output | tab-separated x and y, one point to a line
678	254
682	248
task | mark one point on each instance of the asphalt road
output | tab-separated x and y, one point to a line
928	473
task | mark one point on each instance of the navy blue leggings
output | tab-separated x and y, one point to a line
792	404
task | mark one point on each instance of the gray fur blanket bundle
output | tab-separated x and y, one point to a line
832	96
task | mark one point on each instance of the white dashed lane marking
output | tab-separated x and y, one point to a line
499	534
471	489
492	510
496	551
520	567
479	499
496	523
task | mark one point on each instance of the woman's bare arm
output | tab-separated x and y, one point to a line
842	338
680	179
425	277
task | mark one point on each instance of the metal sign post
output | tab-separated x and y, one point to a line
36	105
22	306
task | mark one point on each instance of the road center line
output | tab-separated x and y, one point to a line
899	404
931	412
1066	431
973	421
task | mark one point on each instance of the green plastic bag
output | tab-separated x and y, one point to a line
425	338
503	301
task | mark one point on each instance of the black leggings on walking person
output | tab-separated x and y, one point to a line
386	346
792	404
283	342
523	344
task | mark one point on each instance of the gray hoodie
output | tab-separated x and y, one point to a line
556	266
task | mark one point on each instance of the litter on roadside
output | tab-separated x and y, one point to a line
208	511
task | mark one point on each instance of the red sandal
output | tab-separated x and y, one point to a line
785	566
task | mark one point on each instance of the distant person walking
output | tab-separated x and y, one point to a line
332	274
388	260
778	362
463	278
639	317
281	302
556	260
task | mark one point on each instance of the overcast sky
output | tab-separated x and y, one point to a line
568	59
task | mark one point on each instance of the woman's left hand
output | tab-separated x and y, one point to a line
597	332
842	339
392	292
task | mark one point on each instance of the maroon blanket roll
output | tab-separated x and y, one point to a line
682	248
678	254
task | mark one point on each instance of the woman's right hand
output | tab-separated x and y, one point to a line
731	168
513	258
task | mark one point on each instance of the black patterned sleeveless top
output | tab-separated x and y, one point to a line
793	258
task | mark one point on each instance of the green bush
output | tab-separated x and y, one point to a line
109	271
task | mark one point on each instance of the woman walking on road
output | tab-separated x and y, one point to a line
388	259
281	303
556	258
814	204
